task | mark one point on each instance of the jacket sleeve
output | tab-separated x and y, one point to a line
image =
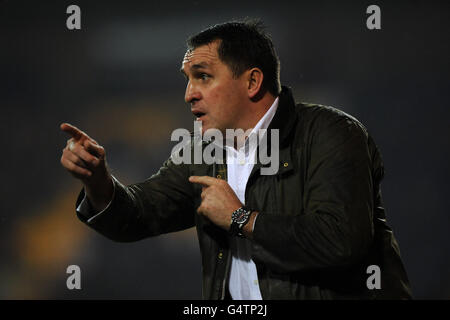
335	228
161	204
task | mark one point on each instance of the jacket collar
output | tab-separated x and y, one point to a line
285	116
284	120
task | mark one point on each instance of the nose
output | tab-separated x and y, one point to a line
192	93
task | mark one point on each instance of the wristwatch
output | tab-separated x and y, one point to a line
239	219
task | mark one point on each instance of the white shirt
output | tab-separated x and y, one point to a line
243	280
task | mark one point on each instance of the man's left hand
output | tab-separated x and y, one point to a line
218	200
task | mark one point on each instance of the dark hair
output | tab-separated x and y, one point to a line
244	45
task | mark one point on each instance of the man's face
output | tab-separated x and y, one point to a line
216	98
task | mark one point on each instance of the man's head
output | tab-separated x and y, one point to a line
232	71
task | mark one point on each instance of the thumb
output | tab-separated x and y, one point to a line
94	149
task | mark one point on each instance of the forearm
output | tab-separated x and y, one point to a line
160	204
118	220
100	195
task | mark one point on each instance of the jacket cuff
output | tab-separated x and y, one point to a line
84	209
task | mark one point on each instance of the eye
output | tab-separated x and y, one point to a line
204	76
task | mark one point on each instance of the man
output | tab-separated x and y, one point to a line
310	230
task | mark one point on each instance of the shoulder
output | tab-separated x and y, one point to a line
328	130
321	119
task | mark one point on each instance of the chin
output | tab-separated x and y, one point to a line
207	127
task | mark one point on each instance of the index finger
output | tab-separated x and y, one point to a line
76	133
203	180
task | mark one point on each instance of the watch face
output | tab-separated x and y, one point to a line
240	215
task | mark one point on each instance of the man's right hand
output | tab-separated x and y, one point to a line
85	159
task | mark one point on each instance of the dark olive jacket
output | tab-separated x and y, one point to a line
321	220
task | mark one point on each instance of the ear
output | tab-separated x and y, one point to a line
254	79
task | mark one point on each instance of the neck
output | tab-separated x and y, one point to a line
256	110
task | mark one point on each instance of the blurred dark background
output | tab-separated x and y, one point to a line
117	79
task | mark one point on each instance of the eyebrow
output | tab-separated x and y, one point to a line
201	65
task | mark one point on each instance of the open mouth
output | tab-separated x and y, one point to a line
198	114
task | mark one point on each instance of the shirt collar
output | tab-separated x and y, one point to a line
262	124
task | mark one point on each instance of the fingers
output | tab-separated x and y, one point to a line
94	149
74	158
204	180
203	194
83	157
80	152
76	133
74	168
